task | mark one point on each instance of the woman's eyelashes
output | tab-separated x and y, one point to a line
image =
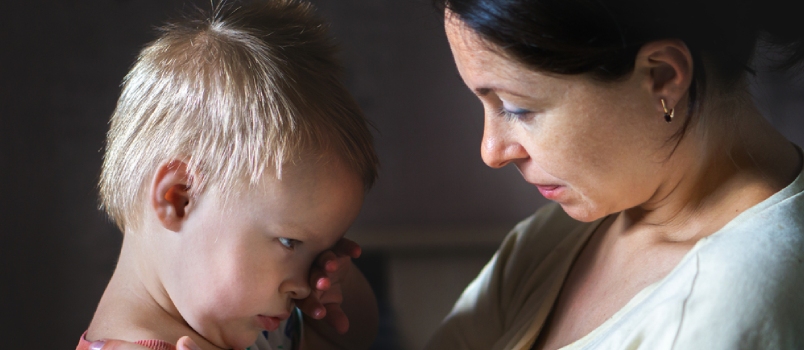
512	112
517	114
288	243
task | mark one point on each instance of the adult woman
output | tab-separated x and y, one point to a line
681	224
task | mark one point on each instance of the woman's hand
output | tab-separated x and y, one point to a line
185	343
331	268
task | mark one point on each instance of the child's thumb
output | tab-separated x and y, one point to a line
185	343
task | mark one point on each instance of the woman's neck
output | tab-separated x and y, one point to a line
730	160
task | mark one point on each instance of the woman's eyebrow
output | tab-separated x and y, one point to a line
483	91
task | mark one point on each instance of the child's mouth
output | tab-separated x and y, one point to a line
270	323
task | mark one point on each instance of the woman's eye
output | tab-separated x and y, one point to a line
519	114
288	243
512	112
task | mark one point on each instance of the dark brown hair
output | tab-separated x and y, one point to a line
602	37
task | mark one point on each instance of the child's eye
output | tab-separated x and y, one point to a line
288	242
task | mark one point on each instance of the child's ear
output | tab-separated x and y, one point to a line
170	194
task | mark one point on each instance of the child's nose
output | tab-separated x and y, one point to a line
296	288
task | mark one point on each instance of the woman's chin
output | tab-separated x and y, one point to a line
581	212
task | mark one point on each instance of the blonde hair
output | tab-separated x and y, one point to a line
245	89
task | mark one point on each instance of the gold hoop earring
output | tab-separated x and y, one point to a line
668	115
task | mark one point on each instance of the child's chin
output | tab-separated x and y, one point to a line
241	340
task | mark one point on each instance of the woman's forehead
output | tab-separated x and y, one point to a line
484	67
462	37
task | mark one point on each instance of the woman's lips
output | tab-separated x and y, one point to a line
271	323
551	192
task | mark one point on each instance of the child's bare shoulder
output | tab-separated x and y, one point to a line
125	321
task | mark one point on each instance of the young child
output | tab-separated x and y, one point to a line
235	163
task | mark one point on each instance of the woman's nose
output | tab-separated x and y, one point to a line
498	147
297	287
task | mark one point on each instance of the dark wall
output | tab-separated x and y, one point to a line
400	69
60	68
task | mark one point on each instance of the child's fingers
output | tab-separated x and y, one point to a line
327	261
185	343
337	318
331	263
333	297
319	280
347	247
332	260
310	306
323	284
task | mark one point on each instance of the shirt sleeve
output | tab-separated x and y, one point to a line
757	307
513	294
475	321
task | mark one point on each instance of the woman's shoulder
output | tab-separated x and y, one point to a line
767	245
737	289
747	281
766	242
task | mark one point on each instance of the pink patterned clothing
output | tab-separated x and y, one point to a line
287	337
154	344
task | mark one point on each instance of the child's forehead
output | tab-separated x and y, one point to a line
308	170
315	200
297	163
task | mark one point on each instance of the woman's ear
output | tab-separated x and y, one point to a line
170	194
668	68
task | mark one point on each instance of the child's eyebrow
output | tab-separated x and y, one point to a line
295	231
307	235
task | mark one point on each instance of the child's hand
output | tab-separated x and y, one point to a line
329	270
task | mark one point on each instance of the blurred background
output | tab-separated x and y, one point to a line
434	218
